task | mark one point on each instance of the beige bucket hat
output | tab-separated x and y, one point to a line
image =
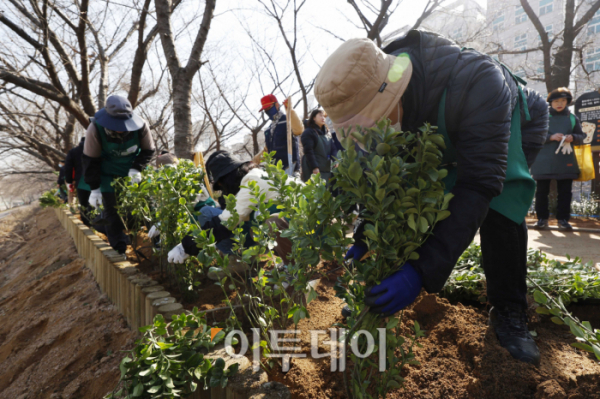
359	84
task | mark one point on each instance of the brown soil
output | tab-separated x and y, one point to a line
587	223
460	356
59	336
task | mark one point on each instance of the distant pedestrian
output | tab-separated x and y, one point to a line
557	161
319	146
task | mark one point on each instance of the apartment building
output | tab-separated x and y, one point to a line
511	30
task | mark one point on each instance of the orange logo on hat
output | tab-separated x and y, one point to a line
214	332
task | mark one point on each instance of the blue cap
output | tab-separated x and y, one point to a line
118	115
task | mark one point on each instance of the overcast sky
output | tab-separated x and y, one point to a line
233	17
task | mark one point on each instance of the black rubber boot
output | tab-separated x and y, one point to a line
346	312
512	332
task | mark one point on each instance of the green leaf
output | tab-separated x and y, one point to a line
383	148
138	390
539	297
542	310
442	215
312	294
433	174
423	226
393	384
164	346
182	201
411	222
144	373
392	323
576	331
582	346
355	171
154	389
556	320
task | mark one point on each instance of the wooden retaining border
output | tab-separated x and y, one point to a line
139	299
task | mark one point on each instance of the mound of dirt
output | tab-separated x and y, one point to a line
460	356
59	336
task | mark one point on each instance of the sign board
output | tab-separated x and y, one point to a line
587	109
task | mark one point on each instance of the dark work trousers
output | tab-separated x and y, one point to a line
563	188
84	205
504	252
114	226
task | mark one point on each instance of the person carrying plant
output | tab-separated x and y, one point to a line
276	133
118	143
232	176
557	161
492	128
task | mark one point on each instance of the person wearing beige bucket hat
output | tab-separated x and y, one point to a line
493	128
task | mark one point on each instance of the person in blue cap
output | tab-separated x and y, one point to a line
118	143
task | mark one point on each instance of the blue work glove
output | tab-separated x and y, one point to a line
356	252
395	292
207	213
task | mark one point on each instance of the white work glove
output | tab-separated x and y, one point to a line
153	232
136	176
96	198
177	255
203	196
566	148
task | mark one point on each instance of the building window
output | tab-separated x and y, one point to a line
594	24
540	68
498	21
457	34
592	59
520	15
546	6
549	32
521	42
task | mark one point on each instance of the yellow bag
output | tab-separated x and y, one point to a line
585	162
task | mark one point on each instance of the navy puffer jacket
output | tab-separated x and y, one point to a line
481	96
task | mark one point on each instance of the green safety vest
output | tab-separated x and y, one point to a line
117	158
519	187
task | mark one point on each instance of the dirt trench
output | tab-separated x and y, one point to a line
60	337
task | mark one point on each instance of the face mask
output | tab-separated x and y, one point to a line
272	112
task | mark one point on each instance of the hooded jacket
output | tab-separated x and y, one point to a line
480	98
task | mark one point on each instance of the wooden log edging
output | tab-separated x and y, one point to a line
139	299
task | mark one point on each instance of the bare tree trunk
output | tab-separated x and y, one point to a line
558	73
182	113
182	76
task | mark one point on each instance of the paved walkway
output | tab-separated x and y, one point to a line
557	244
